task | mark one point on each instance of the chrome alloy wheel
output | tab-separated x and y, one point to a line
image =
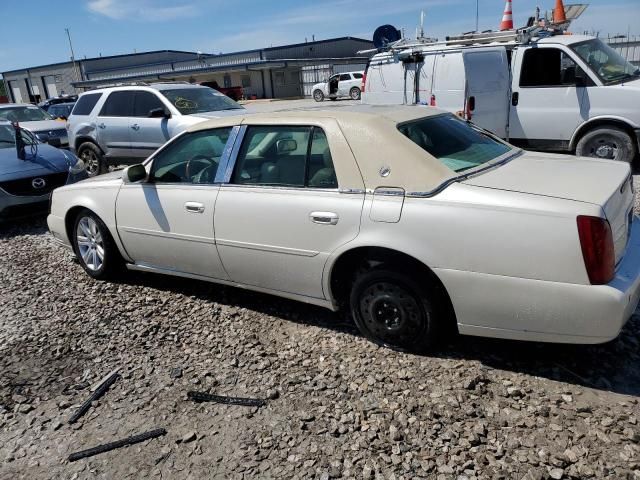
90	243
91	162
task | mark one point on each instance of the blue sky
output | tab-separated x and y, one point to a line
110	27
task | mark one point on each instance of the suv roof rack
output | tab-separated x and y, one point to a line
121	84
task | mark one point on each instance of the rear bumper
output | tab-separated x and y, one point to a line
535	310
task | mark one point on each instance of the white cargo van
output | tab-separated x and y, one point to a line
560	93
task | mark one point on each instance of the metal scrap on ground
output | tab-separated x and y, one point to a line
117	444
94	396
207	397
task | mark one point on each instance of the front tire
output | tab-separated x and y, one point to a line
318	96
94	247
607	143
354	93
392	310
93	159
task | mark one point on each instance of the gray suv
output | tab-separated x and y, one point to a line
126	124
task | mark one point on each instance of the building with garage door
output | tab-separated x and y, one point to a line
274	72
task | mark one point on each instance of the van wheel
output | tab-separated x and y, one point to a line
94	247
92	157
392	310
318	96
354	93
608	143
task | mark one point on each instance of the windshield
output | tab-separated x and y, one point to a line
8	137
606	62
453	141
24	114
197	100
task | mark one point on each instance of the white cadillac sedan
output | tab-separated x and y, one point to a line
416	221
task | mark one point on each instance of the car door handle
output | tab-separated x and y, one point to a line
324	218
135	126
515	99
102	125
194	207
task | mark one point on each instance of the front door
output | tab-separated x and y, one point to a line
113	127
148	134
167	221
547	105
282	215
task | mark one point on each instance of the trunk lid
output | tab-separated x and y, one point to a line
601	182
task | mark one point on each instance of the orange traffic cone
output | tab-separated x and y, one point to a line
507	18
559	13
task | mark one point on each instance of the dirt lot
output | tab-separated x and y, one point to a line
338	406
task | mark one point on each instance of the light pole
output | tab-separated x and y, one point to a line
78	74
477	14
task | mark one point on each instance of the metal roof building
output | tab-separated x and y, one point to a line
274	72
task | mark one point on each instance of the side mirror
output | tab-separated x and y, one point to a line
286	145
134	174
159	113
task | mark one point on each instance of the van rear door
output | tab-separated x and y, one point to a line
488	88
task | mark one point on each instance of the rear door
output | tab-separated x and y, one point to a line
345	84
148	134
449	83
488	88
113	128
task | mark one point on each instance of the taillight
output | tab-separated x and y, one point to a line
596	240
364	82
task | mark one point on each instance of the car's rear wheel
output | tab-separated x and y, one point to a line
318	96
94	246
392	310
93	159
608	143
354	93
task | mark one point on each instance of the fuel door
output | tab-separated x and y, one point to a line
387	204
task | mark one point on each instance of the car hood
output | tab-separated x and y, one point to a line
42	125
318	86
48	160
559	176
220	113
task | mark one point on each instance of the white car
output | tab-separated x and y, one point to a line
415	220
340	85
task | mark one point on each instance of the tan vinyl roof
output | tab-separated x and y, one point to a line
372	137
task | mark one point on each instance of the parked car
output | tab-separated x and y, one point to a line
568	93
60	111
37	121
424	224
340	85
26	183
124	125
57	100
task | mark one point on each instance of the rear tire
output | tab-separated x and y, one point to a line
93	159
611	143
393	311
94	247
354	93
318	96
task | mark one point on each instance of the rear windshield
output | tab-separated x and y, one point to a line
199	100
453	141
85	104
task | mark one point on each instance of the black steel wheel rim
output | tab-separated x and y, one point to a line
603	147
392	314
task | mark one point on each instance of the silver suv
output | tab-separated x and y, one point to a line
126	124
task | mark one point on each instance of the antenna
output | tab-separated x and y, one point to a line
422	24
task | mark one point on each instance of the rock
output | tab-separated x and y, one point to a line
189	437
175	372
556	473
394	434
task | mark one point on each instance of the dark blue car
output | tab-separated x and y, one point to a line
29	174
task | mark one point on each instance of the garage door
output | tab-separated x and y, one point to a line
50	84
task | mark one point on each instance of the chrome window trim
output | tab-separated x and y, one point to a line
282	187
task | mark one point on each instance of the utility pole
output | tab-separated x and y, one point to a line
477	14
78	74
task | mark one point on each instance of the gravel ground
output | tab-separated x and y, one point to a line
337	406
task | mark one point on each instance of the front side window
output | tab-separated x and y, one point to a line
453	141
192	158
190	101
285	156
85	104
606	62
118	104
24	114
145	102
547	67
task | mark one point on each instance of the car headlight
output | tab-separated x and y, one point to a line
75	164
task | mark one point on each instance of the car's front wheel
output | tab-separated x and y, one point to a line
93	159
318	96
608	143
94	246
392	310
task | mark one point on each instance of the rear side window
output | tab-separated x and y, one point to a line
452	141
357	75
118	104
85	104
344	77
145	102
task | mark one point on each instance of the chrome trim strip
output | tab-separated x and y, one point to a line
267	248
389	192
281	187
172	236
352	191
226	155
